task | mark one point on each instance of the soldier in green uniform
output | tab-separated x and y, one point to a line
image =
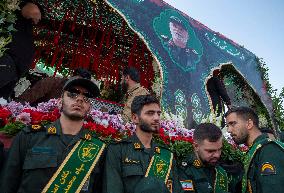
58	157
201	172
264	168
138	164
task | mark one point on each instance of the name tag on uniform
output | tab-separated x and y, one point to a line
187	185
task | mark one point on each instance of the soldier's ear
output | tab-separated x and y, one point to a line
135	118
250	124
195	146
60	103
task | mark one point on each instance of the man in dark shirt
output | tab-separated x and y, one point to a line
218	93
60	157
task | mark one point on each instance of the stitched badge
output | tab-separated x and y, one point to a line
197	163
187	185
88	136
51	130
36	127
137	146
267	169
157	150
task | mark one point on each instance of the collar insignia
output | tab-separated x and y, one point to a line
137	146
51	130
157	150
88	136
197	163
36	127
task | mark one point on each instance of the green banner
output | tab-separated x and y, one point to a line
221	182
76	168
160	165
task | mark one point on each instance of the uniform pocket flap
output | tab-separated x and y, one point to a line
132	170
40	160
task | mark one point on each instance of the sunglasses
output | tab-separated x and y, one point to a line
74	93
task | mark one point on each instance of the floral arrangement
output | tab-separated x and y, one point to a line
7	21
172	134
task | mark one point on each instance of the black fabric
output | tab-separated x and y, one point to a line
217	92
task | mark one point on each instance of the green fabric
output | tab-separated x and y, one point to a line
264	151
221	180
160	165
76	168
35	156
126	166
204	179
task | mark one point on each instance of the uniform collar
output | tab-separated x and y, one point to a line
259	138
137	145
136	86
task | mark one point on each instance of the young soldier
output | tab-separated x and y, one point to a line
138	164
61	157
200	172
264	161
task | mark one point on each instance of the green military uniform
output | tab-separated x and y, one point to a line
198	178
36	154
264	167
126	165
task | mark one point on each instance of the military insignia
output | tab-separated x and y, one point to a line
187	185
267	169
117	139
137	146
130	161
184	164
169	185
36	127
157	150
51	130
197	163
88	136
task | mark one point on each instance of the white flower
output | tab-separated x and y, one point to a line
3	101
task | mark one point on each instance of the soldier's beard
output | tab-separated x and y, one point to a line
146	127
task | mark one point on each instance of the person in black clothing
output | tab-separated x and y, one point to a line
17	59
218	93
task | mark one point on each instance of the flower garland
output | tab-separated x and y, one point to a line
14	116
7	21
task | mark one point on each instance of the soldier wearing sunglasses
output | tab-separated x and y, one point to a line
62	156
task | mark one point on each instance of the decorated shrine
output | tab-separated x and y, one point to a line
106	36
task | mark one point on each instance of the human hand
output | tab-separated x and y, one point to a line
31	11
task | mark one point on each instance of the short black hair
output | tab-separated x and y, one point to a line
207	131
83	73
140	101
246	113
132	72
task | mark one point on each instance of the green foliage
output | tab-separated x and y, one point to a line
277	100
229	153
11	129
7	21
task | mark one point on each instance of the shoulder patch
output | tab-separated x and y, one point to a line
267	169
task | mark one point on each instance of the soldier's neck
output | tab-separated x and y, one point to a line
252	136
70	127
144	137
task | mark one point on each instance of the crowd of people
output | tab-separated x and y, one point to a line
65	157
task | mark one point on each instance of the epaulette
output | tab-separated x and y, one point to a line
34	128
